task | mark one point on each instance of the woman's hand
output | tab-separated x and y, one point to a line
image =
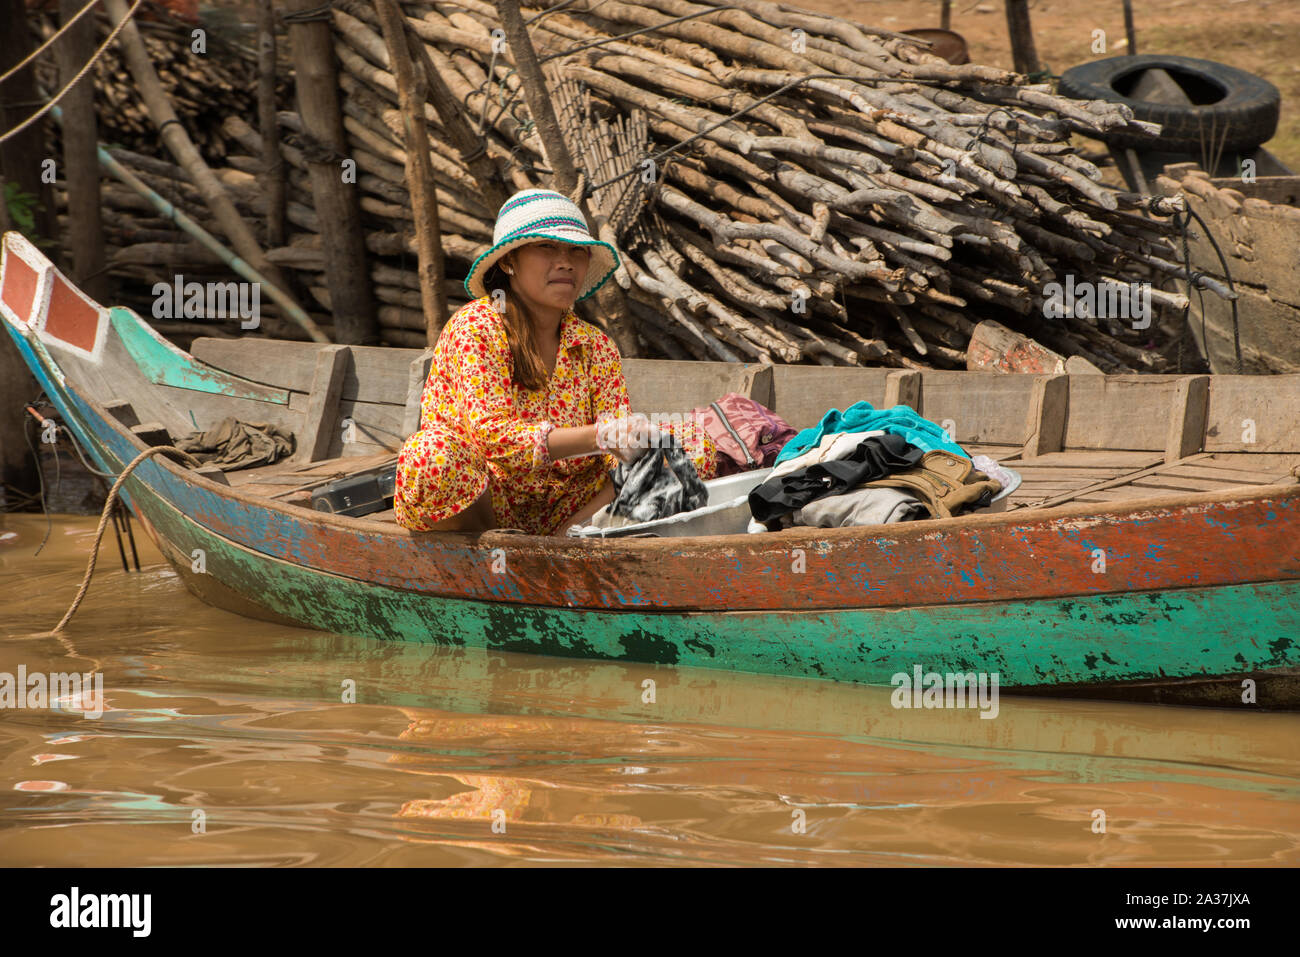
627	437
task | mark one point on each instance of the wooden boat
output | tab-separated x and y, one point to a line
1151	553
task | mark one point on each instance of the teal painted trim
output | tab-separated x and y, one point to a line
1143	635
164	364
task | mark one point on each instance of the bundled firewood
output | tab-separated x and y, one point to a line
871	202
207	75
782	186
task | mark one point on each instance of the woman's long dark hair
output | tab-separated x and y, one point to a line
529	369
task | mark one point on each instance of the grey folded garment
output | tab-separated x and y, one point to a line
862	506
237	445
662	482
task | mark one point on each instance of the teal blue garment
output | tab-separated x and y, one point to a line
861	416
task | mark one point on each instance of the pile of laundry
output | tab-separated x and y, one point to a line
861	466
868	466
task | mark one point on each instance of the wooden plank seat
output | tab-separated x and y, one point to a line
293	482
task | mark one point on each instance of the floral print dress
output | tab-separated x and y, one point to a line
477	426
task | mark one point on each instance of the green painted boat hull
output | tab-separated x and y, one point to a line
1084	641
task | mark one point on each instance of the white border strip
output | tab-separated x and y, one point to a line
16	245
96	352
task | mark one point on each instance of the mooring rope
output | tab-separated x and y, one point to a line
103	524
37	52
76	79
312	15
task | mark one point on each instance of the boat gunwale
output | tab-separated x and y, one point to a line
795	536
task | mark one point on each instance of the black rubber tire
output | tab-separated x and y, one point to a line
1248	109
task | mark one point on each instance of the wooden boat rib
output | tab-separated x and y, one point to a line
1151	553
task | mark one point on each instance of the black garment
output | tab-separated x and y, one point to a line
660	483
875	457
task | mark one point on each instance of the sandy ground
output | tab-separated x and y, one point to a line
1262	36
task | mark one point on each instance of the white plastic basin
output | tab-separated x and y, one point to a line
725	513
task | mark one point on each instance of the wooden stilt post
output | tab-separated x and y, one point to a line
20	163
1130	31
22	157
80	156
1023	54
18	470
334	193
610	299
269	127
412	92
539	99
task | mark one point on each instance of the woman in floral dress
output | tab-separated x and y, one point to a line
526	407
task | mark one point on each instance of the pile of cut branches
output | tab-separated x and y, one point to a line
871	203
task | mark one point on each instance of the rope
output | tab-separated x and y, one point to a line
40	475
727	119
555	9
163	125
57	33
76	447
580	190
1227	275
483	91
76	79
103	524
1012	125
1194	275
315	151
310	15
633	33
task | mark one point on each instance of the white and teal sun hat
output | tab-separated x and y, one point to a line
535	214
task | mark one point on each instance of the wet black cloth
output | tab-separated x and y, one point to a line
875	457
662	482
239	445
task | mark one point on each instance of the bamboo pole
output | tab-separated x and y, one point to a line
419	172
179	217
187	155
1130	31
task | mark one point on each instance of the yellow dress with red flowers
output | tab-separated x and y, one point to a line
476	425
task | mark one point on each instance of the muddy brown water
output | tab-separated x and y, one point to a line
225	741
